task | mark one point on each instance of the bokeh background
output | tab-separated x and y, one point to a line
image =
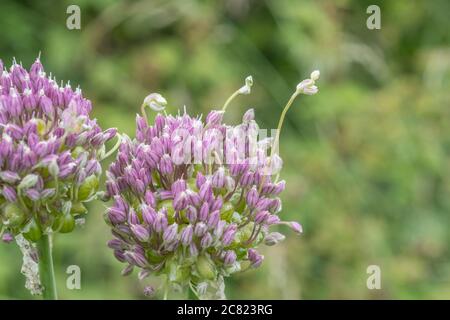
366	160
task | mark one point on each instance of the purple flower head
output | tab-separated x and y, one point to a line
199	196
50	151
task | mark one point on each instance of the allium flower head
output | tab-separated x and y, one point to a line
49	153
193	199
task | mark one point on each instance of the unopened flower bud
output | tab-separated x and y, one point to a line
140	232
230	257
155	101
170	234
28	181
248	116
200	229
255	258
246	89
273	238
297	227
186	235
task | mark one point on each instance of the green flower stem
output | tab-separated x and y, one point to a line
192	295
277	136
280	124
46	270
234	95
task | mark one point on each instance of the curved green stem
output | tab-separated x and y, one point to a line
280	123
224	108
113	149
277	136
46	270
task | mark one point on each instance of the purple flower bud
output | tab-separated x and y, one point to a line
206	241
33	194
214	118
92	167
112	188
219	229
261	217
204	211
140	260
228	235
297	227
218	178
194	198
120	255
263	204
9	176
7	237
29	100
200	180
150	199
178	186
246	179
213	219
149	291
140	232
170	234
200	229
186	235
148	214
116	215
216	204
180	202
273	219
164	195
206	192
249	115
191	214
275	205
255	258
157	146
115	244
132	217
46	105
229	258
9	193
252	197
165	166
279	187
160	223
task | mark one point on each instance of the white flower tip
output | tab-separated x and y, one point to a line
246	89
155	101
315	75
249	81
308	86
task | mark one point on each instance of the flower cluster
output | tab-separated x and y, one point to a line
49	153
193	199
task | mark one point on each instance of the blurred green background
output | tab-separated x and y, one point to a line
366	160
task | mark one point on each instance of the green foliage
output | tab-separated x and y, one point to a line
366	160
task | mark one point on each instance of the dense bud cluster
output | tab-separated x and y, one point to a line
193	199
49	153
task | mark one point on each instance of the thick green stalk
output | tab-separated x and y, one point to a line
46	270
